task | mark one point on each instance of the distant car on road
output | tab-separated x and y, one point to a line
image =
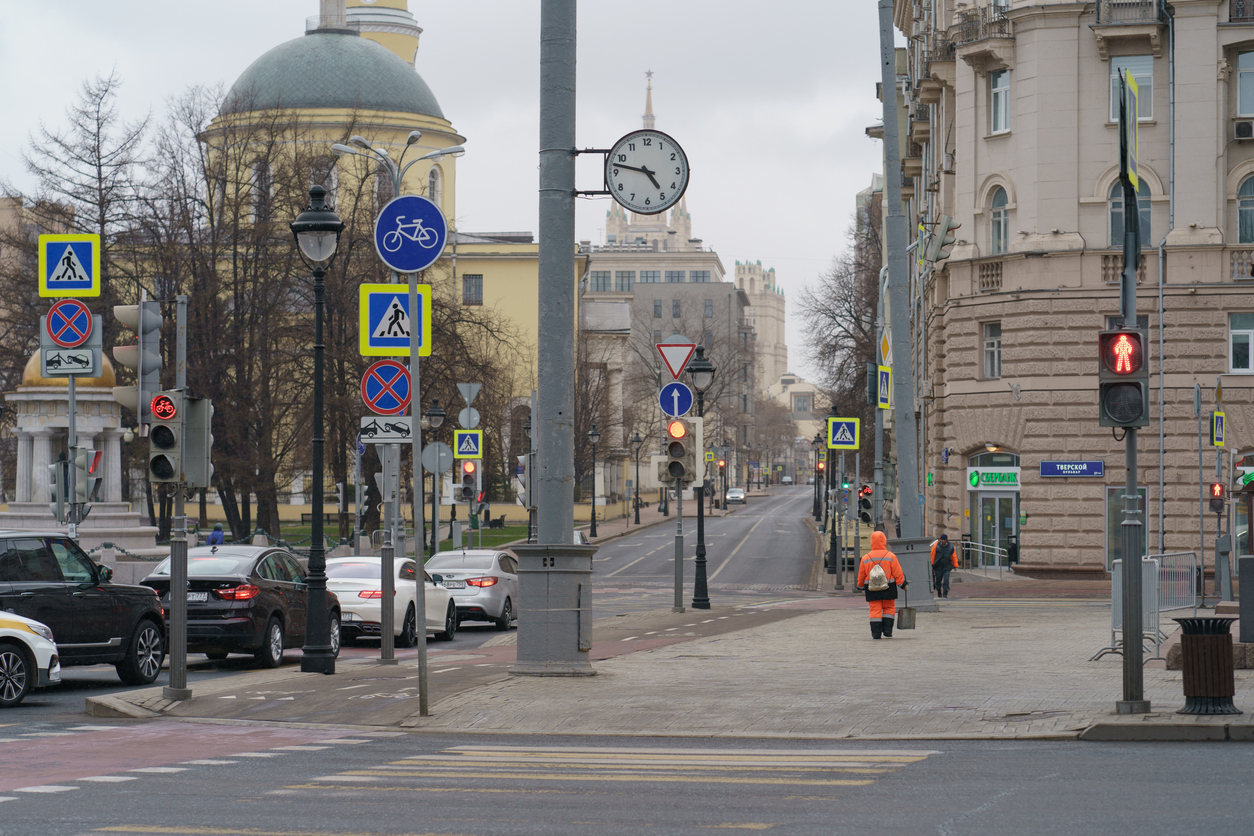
358	581
735	495
28	658
785	480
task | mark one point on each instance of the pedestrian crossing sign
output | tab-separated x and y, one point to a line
1217	429
842	433
884	391
69	265
468	444
385	320
709	455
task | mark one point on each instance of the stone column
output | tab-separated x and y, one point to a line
24	467
41	458
112	466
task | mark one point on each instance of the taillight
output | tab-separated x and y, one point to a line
371	594
481	582
243	592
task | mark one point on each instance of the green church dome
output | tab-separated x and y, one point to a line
331	69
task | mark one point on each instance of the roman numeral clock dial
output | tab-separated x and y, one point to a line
646	172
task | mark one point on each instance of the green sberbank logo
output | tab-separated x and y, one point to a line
994	478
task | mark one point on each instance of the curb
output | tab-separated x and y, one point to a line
1113	732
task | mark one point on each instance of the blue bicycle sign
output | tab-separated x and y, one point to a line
410	233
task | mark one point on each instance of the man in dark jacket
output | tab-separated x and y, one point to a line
944	560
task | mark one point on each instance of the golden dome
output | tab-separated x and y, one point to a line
31	375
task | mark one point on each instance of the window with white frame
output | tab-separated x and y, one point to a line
999	101
1141	68
999	222
1245	84
1245	211
434	192
992	350
1116	212
1240	341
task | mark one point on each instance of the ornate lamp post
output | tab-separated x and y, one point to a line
636	441
594	437
702	371
435	416
317	233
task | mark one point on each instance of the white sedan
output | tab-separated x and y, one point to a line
357	581
28	658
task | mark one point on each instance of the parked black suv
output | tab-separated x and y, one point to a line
46	576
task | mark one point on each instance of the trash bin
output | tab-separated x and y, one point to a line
1012	549
1206	652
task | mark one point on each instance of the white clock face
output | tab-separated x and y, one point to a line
647	172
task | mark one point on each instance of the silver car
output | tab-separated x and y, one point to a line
484	583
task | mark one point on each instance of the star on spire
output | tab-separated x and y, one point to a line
648	101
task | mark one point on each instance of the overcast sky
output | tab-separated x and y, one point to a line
769	100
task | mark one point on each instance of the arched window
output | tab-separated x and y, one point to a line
1116	212
382	186
999	222
324	173
434	183
1245	211
260	192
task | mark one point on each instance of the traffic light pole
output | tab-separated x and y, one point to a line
177	637
700	588
679	547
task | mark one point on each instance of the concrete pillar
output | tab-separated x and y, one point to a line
24	445
41	458
112	467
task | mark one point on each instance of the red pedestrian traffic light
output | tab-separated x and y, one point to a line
1123	378
1217	496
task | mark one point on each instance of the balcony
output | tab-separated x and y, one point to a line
1124	12
1241	11
982	23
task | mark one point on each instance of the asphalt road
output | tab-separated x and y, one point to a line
169	777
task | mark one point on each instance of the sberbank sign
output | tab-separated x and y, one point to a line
993	478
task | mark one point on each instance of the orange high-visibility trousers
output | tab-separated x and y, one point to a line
882	609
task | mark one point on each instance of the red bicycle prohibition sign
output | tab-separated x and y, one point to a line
68	323
385	387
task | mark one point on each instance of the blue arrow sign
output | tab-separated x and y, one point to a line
410	233
675	398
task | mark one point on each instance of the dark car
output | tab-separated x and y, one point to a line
244	599
47	577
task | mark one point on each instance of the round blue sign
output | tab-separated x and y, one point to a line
410	233
675	398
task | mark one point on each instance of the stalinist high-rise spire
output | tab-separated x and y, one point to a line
648	102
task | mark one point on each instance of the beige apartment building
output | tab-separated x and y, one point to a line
1008	115
766	314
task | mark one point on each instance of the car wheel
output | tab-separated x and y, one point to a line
217	655
16	669
270	654
143	658
409	630
335	635
507	616
450	624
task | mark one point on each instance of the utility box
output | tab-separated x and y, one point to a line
555	613
915	556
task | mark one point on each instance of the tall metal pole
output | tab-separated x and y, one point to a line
637	485
700	591
592	527
898	290
679	548
177	689
317	656
415	409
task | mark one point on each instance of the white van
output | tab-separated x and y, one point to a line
785	480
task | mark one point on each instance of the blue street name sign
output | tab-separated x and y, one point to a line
675	398
410	233
1073	468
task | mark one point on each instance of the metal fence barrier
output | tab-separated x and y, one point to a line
977	556
1149	606
1168	582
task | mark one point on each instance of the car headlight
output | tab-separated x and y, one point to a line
43	630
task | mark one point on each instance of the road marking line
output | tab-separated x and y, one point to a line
346	777
257	755
359	788
209	762
45	788
300	748
634	562
94	728
160	770
110	779
8	798
748	534
347	739
636	778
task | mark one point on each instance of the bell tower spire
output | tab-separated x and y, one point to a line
648	101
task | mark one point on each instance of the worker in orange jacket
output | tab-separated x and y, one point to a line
883	602
944	561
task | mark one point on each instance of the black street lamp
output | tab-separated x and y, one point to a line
594	437
530	462
702	371
816	443
637	441
317	233
435	416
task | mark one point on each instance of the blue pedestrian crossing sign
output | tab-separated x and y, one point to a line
1217	429
410	233
385	321
468	444
884	391
842	433
69	265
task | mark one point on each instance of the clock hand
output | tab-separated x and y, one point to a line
628	167
649	174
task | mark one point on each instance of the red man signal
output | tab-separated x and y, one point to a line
1217	496
1123	379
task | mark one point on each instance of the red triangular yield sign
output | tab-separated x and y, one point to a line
676	356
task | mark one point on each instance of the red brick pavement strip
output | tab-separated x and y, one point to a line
1032	588
55	760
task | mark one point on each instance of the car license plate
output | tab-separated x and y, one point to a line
199	597
453	584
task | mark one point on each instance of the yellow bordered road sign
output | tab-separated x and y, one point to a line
468	444
385	320
843	433
884	390
69	265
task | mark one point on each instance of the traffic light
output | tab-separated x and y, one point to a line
469	487
165	441
1123	378
722	466
864	503
58	480
341	498
680	461
822	466
86	474
1217	496
845	484
143	358
941	238
198	443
